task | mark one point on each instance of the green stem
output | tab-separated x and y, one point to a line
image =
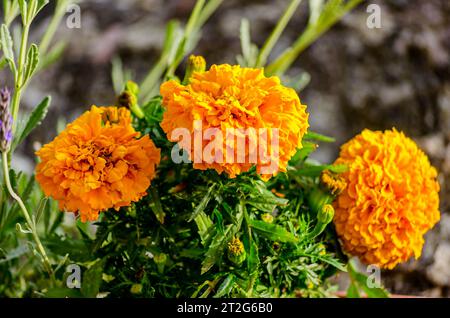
19	75
53	26
276	33
27	216
190	29
312	33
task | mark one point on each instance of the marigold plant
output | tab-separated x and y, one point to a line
391	199
241	98
98	162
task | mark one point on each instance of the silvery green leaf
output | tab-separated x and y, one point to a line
23	5
6	43
32	62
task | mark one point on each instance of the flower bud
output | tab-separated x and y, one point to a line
324	217
196	63
236	251
6	121
129	99
136	289
326	214
267	217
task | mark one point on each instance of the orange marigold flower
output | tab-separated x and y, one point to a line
230	97
391	201
97	163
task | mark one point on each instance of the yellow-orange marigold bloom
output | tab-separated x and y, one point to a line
391	201
231	97
98	162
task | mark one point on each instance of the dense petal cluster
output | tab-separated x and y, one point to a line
391	201
98	162
230	97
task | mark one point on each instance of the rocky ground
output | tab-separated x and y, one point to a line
398	75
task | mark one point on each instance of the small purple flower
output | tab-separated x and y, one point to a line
6	121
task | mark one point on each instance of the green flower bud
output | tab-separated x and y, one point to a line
195	64
129	99
326	214
236	251
267	217
136	289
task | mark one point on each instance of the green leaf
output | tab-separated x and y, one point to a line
307	149
11	10
156	206
23	11
54	55
40	210
362	282
273	232
40	5
32	62
352	291
7	45
205	227
226	287
253	258
216	249
203	204
61	293
36	118
77	249
318	137
92	279
245	39
315	171
262	198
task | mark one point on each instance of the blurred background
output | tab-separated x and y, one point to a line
395	76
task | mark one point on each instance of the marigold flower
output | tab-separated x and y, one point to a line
98	162
230	97
391	199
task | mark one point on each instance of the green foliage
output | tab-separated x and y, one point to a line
174	242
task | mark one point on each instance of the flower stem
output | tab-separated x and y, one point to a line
26	214
53	26
276	33
19	75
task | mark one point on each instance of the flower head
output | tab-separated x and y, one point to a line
6	121
333	182
391	199
236	251
242	104
98	162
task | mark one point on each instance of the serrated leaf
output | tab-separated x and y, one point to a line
205	227
32	62
36	118
216	249
226	287
273	232
203	203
